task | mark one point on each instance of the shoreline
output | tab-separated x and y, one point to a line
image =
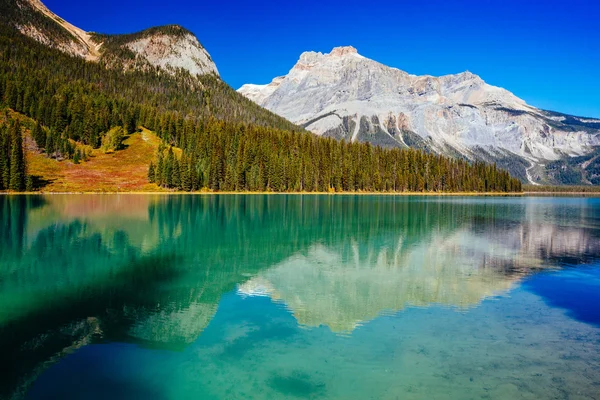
208	193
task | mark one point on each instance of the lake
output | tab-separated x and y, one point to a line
299	297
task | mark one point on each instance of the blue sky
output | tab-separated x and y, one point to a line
546	52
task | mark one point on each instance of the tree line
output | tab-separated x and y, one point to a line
561	188
235	157
227	142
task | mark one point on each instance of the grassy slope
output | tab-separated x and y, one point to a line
122	171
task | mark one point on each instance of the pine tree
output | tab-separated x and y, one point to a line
77	156
168	169
186	178
151	177
4	158
17	159
176	178
159	171
39	136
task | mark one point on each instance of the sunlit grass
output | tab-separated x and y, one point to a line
121	171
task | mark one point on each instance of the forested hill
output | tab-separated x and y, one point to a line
169	90
94	100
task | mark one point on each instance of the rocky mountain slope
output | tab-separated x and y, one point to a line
347	96
168	48
167	68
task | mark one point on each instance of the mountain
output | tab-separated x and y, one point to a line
97	109
167	66
169	47
347	96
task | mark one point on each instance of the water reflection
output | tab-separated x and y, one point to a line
151	270
344	284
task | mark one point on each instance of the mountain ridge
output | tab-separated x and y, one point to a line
169	47
347	96
84	38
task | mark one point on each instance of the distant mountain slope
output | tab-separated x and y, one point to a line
169	48
347	96
33	19
167	68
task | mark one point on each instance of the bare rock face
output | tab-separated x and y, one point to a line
73	40
456	114
172	52
170	48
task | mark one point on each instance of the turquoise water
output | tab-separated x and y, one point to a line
307	297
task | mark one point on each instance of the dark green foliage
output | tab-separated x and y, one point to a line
4	158
581	170
151	172
29	184
511	111
13	168
561	189
17	159
39	134
576	123
77	156
564	173
236	157
511	162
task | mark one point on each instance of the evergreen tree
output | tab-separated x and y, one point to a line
29	184
17	159
185	172
168	169
151	177
159	171
77	156
176	178
4	158
39	135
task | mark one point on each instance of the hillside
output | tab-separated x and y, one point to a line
347	96
166	67
168	48
125	170
80	103
121	171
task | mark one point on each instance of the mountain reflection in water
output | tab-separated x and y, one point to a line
151	270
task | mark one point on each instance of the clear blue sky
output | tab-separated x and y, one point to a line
545	51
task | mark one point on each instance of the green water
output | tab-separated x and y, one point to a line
291	297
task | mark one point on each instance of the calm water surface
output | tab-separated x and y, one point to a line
307	297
